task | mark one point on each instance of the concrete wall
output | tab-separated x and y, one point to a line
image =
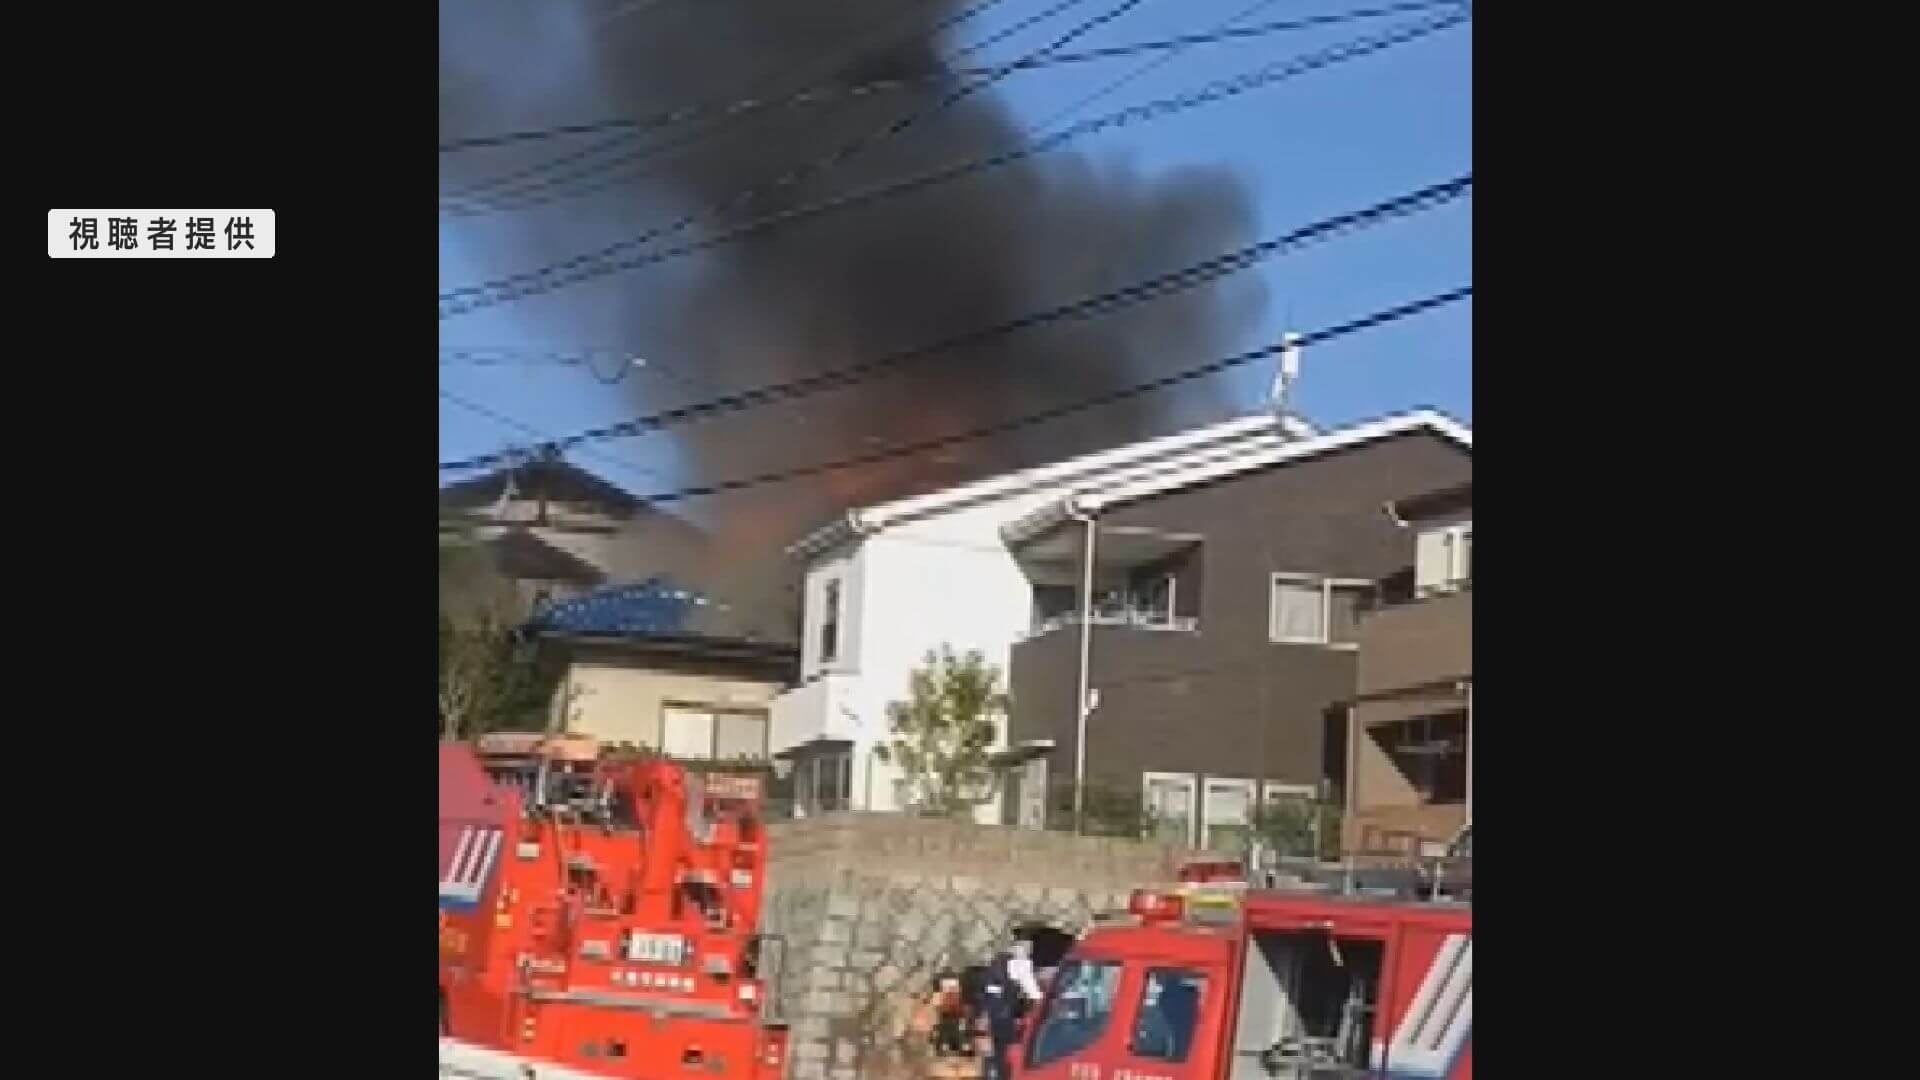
871	906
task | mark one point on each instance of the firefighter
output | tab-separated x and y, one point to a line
949	1016
1010	991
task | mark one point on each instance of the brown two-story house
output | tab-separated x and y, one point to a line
1200	622
1410	727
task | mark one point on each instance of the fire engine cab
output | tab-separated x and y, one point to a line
1213	980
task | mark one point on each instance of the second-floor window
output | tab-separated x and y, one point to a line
1444	561
1307	609
830	622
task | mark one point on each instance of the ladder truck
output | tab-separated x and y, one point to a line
599	913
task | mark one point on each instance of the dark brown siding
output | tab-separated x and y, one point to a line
1223	700
1416	643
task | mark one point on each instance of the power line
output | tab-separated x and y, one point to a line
499	417
515	185
527	196
568	186
902	450
898	127
903	124
565	187
594	264
884	31
823	94
1103	303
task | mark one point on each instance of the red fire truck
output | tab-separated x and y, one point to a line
600	910
1218	981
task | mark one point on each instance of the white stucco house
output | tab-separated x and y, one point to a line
885	584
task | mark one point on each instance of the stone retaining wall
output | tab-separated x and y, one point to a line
871	906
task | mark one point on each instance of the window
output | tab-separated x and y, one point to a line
1078	1011
1226	813
1167	802
740	735
1443	558
1156	600
1315	610
1287	817
1169	1011
830	622
1430	753
825	781
1032	806
686	733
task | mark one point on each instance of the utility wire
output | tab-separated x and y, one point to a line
566	187
815	95
499	417
885	34
1367	322
599	263
622	363
528	180
1107	88
900	125
1100	304
526	196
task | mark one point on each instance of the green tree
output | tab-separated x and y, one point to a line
492	678
943	734
1287	826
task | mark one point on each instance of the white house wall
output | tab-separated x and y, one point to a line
945	580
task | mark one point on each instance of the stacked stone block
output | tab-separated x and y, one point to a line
872	906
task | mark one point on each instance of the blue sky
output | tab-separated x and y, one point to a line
1329	141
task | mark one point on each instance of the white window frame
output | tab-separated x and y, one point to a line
833	594
667	714
1192	780
1456	543
1272	791
1247	785
1327	586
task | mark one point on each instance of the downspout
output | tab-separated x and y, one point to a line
1086	652
1469	752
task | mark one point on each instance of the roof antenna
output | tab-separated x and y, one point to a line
1286	373
509	487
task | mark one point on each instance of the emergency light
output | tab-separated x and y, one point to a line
1150	906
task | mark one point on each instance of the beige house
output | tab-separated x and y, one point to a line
689	696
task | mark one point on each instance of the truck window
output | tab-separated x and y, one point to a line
1077	1012
1169	1011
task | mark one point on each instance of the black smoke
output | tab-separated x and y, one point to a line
848	286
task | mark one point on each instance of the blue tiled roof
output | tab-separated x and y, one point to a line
654	606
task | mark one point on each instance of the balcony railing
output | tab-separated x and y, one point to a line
1136	617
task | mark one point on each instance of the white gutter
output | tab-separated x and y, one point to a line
1284	452
1051	514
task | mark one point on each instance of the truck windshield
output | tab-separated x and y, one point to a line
1169	1010
1077	1013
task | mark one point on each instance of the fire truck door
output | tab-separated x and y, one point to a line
1172	1025
1076	1034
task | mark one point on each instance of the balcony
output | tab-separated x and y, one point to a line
823	708
1118	612
1143	579
1417	641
